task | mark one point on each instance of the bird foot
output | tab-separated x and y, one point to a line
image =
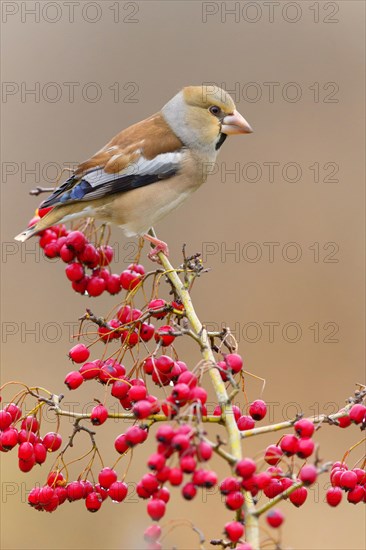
160	246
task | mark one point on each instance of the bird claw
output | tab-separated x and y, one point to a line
160	246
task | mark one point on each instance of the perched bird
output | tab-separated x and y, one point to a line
150	168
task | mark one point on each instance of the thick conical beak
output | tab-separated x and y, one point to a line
235	124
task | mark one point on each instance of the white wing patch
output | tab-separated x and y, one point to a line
160	165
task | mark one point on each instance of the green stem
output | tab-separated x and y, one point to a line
251	521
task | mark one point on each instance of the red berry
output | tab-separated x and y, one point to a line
334	496
79	353
135	435
175	476
113	284
245	468
348	480
14	411
180	442
33	497
234	530
189	491
80	286
129	279
75	491
26	465
118	491
199	394
90	370
234	362
162	493
8	439
25	451
356	494
105	255
181	393
305	447
275	518
361	475
273	455
262	480
357	413
5	420
26	436
45	495
299	496
229	485
47	237
93	501
165	433
156	509
187	377
99	415
106	477
156	461
289	444
137	392
74	272
152	533
304	427
308	474
156	305
245	423
209	478
165	335
146	332
66	254
120	444
76	240
258	409
55	479
61	493
120	388
52	249
73	380
273	488
30	423
344	421
142	409
234	500
96	286
204	451
52	441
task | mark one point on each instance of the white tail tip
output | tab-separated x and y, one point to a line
24	235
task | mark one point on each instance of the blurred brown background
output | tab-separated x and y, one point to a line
296	71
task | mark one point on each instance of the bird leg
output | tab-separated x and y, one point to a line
160	246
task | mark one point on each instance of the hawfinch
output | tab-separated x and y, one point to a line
150	168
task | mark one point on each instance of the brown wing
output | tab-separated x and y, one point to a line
137	156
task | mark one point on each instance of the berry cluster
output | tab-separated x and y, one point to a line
352	482
81	255
32	448
57	491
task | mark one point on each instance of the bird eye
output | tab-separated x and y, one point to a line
214	110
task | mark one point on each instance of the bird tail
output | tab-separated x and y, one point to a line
25	235
52	217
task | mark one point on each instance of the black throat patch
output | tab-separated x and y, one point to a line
220	141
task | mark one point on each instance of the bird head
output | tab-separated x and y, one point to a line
204	116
